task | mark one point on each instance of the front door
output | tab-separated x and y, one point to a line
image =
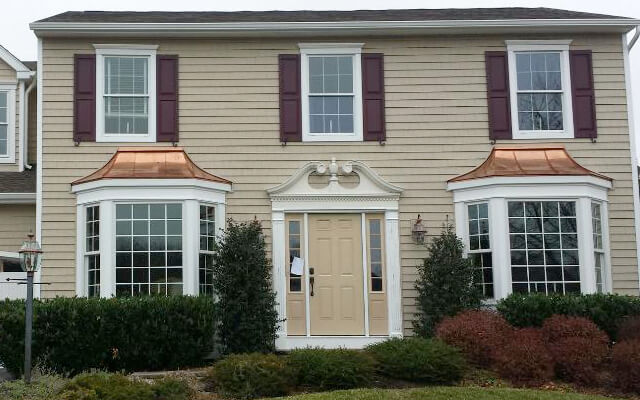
335	255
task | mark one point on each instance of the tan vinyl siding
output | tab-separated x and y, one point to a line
8	76
436	116
16	221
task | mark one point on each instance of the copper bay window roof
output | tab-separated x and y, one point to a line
150	163
544	160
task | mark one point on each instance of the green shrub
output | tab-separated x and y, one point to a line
247	313
446	282
43	387
420	360
72	335
103	386
606	310
328	369
247	376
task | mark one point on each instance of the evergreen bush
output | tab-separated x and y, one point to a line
446	284
329	369
103	386
246	300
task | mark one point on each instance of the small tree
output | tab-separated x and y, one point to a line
248	317
446	284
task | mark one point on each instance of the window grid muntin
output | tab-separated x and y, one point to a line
376	262
92	250
207	239
572	284
4	123
138	109
481	254
598	246
173	215
295	250
344	114
521	93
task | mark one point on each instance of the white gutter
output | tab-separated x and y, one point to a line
17	198
25	150
247	28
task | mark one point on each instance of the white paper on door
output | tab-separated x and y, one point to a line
296	266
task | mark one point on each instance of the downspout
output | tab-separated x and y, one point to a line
26	124
634	39
21	120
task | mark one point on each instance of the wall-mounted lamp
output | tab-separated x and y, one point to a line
418	231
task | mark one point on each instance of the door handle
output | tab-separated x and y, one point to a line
312	280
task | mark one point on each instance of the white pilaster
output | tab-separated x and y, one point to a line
585	246
500	245
279	281
191	247
107	249
394	290
81	283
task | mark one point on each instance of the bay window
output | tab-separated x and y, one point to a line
479	246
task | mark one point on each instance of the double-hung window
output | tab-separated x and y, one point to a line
480	246
598	246
7	125
92	250
207	240
331	92
540	89
125	106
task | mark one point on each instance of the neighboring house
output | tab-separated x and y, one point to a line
336	130
17	153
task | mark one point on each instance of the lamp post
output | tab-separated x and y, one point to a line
30	259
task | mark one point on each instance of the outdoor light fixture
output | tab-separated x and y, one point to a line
418	231
30	258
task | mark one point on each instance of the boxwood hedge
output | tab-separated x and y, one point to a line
72	335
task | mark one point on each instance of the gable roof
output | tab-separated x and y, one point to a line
448	14
12	61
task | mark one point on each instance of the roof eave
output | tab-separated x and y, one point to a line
333	27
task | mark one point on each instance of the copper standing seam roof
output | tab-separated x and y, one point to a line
527	161
150	163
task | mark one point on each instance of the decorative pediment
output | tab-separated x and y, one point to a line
351	179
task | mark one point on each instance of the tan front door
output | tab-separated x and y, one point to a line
335	254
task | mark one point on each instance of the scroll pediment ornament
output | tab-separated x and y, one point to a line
370	184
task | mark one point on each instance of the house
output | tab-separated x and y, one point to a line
17	156
337	130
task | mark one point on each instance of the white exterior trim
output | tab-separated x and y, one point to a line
353	49
108	192
372	194
633	148
561	46
39	108
126	50
10	89
498	191
9	254
18	198
13	62
329	27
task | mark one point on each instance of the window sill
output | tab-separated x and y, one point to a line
331	138
125	138
542	135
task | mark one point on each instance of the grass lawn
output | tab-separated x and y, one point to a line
446	393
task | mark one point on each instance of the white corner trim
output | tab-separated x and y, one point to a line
12	61
634	149
131	50
124	46
39	141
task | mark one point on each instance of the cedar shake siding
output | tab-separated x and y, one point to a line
436	122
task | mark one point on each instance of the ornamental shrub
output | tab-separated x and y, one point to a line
426	361
577	346
625	362
102	386
446	283
72	335
524	359
477	333
248	376
246	300
629	329
605	310
43	387
330	369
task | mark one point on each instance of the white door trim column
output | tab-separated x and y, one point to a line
394	289
279	262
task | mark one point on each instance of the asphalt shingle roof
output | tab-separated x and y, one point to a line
18	182
322	16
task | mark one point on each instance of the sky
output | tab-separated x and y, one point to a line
16	37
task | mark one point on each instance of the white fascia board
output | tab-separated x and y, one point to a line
17	65
530	181
17	198
284	28
9	254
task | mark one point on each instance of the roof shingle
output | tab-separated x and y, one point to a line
18	182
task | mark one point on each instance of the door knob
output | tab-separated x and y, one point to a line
311	280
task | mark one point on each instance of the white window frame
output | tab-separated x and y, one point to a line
331	49
10	90
190	193
498	191
467	247
149	51
561	46
605	251
216	230
85	251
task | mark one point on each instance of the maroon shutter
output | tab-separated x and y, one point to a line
167	98
84	98
498	95
290	98
582	93
373	97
